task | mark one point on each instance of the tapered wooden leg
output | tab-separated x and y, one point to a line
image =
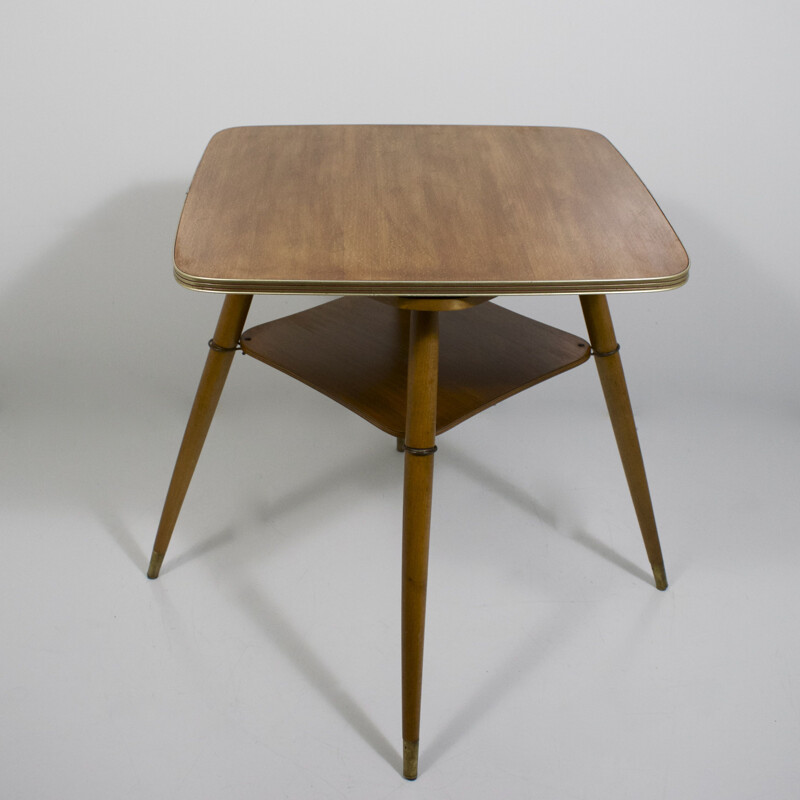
612	379
220	355
420	443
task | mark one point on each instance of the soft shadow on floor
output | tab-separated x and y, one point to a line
509	492
612	556
255	527
279	630
125	540
540	643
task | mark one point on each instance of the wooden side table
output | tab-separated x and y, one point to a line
406	223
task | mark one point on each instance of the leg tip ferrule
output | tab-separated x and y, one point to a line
660	575
155	565
410	760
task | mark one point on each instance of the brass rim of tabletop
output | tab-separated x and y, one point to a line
405	289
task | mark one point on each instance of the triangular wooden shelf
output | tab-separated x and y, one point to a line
355	350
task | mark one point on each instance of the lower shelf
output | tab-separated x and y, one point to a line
355	351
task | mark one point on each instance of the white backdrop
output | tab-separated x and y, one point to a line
107	107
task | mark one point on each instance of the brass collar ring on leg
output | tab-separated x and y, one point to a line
220	349
607	354
420	451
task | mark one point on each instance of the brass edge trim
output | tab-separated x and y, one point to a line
425	303
432	289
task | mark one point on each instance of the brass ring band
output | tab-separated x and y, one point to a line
220	349
606	355
420	451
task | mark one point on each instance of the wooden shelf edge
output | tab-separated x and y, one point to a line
355	352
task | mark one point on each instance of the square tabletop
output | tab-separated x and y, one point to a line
421	210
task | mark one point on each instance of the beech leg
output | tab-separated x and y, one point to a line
612	379
218	363
423	364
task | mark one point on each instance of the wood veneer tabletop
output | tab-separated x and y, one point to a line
421	210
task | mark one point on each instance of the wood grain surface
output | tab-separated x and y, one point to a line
421	210
355	351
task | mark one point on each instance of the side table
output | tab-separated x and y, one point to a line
417	228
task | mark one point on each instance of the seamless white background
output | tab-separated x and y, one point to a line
265	661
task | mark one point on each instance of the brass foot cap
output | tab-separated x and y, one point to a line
410	760
660	574
155	565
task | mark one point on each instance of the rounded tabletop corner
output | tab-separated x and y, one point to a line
419	210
